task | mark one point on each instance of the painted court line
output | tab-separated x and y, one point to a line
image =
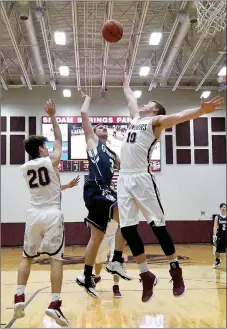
26	304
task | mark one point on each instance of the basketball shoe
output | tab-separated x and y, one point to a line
54	312
116	291
89	285
217	262
118	269
19	305
148	280
178	282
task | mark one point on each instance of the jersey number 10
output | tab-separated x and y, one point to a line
39	177
131	137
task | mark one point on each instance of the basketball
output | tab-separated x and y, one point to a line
112	31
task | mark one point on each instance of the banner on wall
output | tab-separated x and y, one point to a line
74	156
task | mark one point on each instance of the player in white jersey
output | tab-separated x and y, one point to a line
44	231
137	189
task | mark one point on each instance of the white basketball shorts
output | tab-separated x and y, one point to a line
138	191
44	233
108	243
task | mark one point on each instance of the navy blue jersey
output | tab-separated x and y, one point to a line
222	224
101	165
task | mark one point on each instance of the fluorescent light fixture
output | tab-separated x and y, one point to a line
222	72
155	38
59	38
64	70
137	93
144	71
67	93
205	94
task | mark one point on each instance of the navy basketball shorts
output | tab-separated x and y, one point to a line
221	243
100	204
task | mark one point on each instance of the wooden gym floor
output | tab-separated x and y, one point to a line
203	306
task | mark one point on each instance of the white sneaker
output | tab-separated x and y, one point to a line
19	306
118	269
89	287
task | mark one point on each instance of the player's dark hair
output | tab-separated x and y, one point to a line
32	145
99	124
162	110
222	204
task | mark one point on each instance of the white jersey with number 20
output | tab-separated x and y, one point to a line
137	146
42	181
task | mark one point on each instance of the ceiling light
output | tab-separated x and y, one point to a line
137	93
144	71
205	94
155	38
64	70
222	72
59	38
67	93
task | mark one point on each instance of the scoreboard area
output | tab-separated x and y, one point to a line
74	156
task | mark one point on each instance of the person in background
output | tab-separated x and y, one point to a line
219	234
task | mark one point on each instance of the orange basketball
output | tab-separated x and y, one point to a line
112	31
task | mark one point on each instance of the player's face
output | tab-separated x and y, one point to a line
149	109
223	208
43	151
101	132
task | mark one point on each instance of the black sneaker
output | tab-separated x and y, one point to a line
217	263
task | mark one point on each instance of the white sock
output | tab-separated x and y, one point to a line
55	296
143	267
20	290
97	275
173	260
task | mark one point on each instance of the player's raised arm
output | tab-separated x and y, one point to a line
57	150
131	99
167	121
90	136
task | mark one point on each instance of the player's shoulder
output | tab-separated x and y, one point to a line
36	162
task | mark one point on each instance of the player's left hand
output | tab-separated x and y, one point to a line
50	108
74	182
83	95
213	105
214	239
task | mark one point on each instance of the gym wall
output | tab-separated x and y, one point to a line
193	166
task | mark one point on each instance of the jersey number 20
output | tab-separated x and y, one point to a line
131	137
39	177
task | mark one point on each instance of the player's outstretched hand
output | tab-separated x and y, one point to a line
213	105
74	182
84	96
125	79
50	108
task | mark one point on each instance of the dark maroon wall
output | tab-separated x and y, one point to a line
77	233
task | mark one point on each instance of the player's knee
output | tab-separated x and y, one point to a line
164	239
133	239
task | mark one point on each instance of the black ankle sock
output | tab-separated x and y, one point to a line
174	265
117	257
88	271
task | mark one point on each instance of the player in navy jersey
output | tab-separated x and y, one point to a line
99	198
219	234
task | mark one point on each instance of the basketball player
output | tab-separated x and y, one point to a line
44	231
137	189
100	199
219	234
